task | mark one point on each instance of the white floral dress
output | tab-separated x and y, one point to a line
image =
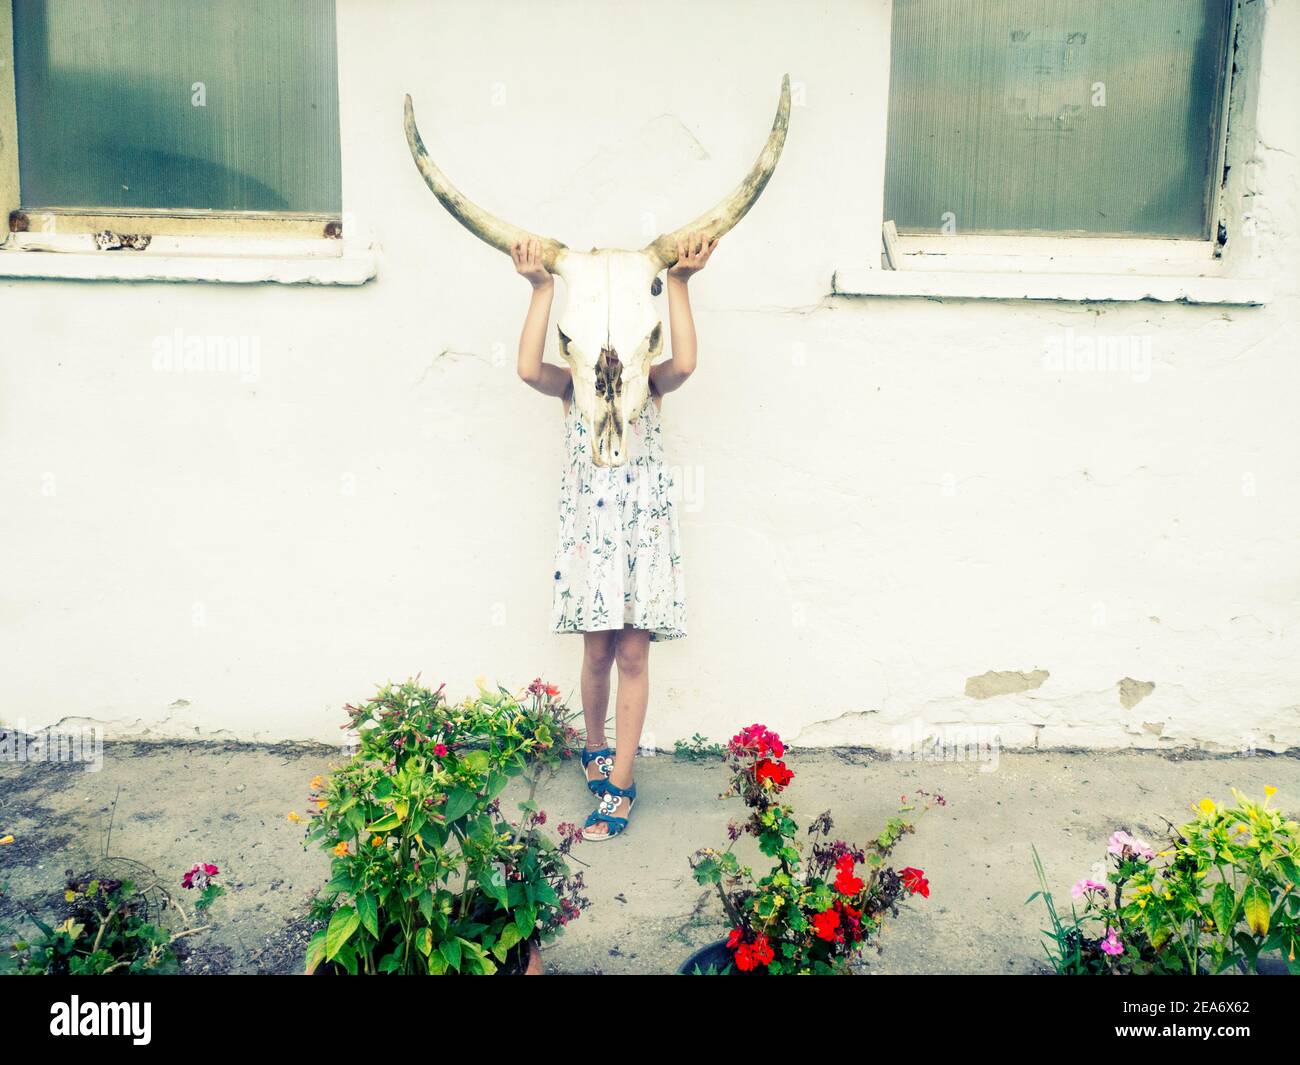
618	561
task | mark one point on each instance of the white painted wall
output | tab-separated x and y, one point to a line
181	556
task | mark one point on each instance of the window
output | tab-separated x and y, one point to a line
173	126
1056	116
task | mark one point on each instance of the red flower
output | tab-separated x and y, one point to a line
757	740
826	924
846	883
762	950
552	690
915	882
199	876
776	772
736	936
852	920
440	749
750	956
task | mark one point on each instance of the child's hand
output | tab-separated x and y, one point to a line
692	256
527	256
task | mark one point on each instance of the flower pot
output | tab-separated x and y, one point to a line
1267	965
715	956
533	966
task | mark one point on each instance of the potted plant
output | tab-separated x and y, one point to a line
806	915
1220	895
428	875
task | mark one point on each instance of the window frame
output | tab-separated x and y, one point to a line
179	244
1082	267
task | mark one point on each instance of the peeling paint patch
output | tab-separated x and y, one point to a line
1132	692
107	240
1007	682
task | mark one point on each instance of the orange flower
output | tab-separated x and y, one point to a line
378	841
293	818
316	783
341	849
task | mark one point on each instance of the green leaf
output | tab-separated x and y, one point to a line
424	941
459	803
450	950
342	882
493	885
1223	906
1256	905
344	922
525	920
385	824
509	937
369	912
316	950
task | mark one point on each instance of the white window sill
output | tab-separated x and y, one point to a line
245	264
953	284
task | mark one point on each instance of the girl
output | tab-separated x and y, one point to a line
618	576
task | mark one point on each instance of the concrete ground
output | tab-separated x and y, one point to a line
169	805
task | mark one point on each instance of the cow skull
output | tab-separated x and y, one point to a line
610	331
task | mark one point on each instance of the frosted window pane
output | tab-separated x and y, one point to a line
993	115
107	113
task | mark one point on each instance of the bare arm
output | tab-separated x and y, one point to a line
671	374
547	378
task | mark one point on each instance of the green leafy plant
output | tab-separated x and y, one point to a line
1220	895
113	926
698	749
428	875
805	916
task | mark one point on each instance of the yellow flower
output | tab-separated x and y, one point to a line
378	841
1240	828
69	895
341	849
480	682
6	840
1207	806
321	802
293	817
1269	791
316	783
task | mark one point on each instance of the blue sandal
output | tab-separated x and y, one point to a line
604	759
613	800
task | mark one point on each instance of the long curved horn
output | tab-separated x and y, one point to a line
731	210
488	228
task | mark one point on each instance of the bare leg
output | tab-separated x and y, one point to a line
597	658
632	653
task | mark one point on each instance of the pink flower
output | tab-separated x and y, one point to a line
1085	885
1111	944
199	876
440	749
1124	845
